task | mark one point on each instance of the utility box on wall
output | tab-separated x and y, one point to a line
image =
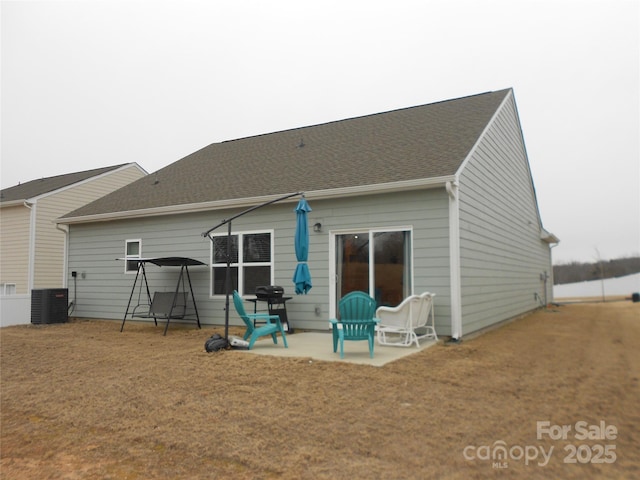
49	305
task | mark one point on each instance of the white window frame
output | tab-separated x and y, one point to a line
128	258
7	288
241	264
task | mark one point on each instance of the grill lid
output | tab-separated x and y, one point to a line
269	291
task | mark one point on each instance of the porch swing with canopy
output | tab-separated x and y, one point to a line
179	304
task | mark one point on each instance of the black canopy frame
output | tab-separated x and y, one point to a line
183	263
228	253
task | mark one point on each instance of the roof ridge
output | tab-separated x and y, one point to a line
61	175
359	117
44	185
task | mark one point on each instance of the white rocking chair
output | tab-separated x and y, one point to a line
409	322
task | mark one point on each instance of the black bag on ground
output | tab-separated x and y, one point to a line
215	343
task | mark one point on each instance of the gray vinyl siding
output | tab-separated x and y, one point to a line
105	288
501	253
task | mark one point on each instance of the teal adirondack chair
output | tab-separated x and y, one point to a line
357	320
272	326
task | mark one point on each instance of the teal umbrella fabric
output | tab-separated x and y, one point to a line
302	276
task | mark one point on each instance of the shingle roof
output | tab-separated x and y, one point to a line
35	188
412	143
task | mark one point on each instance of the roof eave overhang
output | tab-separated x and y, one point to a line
14	203
548	237
416	184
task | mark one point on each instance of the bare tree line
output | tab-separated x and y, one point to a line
573	272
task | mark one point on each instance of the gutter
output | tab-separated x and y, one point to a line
549	237
390	187
14	203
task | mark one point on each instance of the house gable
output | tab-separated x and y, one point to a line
43	186
502	255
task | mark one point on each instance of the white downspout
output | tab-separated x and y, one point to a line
32	245
454	260
65	254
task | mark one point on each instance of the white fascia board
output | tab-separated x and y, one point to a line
484	132
416	184
135	164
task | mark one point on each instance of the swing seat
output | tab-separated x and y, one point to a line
169	305
163	306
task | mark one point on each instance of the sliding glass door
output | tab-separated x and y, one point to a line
375	261
352	265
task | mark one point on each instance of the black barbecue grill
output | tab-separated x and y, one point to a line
273	295
266	292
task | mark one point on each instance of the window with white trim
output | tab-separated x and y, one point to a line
133	252
7	288
250	266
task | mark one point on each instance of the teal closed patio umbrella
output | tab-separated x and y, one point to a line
302	276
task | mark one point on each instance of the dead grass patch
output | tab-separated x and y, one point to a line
82	401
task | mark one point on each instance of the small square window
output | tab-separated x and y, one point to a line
133	251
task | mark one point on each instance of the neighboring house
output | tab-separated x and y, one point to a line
434	198
32	245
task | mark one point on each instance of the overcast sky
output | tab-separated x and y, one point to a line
88	84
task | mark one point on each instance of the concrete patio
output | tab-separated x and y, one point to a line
319	346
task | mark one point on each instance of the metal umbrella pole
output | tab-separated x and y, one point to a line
228	272
227	283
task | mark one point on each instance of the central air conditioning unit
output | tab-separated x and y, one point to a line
49	305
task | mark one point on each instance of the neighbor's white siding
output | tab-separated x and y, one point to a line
49	240
38	248
103	291
14	247
502	257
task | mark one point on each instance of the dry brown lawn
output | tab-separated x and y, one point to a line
83	401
